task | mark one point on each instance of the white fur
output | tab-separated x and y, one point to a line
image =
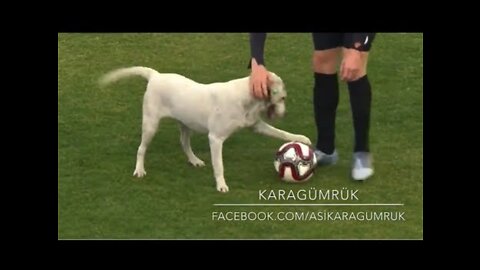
218	109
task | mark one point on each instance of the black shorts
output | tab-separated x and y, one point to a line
358	41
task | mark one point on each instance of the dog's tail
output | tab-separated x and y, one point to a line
121	73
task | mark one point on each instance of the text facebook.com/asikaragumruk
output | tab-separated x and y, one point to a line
361	216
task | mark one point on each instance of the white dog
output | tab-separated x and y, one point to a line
218	109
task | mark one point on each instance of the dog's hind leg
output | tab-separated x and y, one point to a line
151	117
185	133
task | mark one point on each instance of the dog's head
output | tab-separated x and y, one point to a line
276	97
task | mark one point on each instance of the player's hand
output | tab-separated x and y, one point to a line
259	80
352	67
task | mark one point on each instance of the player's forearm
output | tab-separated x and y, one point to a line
257	45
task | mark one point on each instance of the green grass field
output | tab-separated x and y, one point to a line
99	131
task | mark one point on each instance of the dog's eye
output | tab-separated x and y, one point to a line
283	98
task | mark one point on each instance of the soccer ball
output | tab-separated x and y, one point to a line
294	162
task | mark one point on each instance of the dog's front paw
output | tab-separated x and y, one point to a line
197	162
139	173
222	188
303	139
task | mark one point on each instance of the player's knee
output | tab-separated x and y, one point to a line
360	74
325	63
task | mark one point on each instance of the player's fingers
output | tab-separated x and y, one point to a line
264	89
257	89
252	86
268	80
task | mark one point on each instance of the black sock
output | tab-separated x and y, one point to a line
360	102
325	101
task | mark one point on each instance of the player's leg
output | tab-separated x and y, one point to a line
360	101
325	93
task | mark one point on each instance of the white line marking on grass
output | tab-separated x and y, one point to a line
308	204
